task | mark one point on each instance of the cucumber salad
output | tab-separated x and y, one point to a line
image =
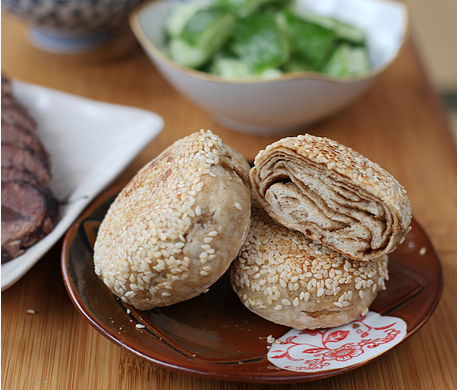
246	39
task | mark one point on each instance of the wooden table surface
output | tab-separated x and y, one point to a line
399	123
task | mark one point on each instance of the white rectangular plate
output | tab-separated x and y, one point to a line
90	143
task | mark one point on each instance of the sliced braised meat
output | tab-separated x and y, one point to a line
28	214
12	173
16	135
6	86
29	209
24	158
14	113
8	100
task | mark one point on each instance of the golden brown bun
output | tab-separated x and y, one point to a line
177	226
333	195
288	279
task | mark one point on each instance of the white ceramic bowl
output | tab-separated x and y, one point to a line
280	105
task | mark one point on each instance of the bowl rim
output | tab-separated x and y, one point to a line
150	47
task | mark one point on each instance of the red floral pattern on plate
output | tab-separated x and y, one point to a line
329	349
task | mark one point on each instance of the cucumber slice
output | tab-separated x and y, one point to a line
360	61
260	42
347	61
179	17
270	74
297	64
187	55
208	27
232	68
206	31
245	8
344	31
309	41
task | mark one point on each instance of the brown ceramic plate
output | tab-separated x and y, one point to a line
214	335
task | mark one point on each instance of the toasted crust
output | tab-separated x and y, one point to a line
288	279
177	226
332	195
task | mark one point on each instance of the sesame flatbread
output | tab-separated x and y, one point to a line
288	279
332	195
176	227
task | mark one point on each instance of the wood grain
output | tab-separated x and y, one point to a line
399	123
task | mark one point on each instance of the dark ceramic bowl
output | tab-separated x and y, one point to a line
70	25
